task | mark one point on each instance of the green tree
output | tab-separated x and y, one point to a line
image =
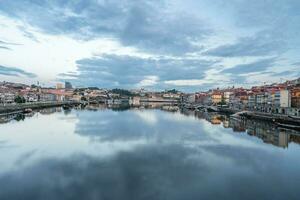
122	92
83	99
174	91
20	99
223	102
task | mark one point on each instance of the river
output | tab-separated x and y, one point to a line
143	153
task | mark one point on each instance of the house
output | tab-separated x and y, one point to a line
216	97
295	97
283	99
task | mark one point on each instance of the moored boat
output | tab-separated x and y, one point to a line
27	110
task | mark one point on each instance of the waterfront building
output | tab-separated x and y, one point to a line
295	97
31	97
76	97
252	101
189	98
202	98
283	99
47	97
271	97
170	95
7	98
262	101
60	94
216	97
226	96
239	99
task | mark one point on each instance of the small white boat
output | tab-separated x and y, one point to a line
27	110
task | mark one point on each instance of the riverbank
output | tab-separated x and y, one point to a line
278	119
16	108
281	120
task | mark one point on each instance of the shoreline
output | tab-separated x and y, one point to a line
278	119
19	108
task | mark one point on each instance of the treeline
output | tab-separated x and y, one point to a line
122	92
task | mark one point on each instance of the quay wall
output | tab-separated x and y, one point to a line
10	108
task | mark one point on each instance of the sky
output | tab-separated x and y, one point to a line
189	45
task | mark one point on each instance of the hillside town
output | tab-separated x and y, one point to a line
277	98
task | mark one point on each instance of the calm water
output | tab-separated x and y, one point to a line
145	154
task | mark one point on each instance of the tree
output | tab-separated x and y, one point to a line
122	92
83	99
174	91
223	102
20	99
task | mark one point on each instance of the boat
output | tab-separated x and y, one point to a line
27	110
66	107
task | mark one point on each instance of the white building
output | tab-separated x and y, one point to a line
227	96
7	98
283	99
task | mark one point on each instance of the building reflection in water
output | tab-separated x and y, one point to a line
267	132
48	111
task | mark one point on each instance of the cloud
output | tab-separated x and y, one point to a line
159	172
13	71
148	81
149	25
131	71
100	126
258	66
261	44
159	29
4	47
8	43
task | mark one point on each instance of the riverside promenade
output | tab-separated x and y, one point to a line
15	108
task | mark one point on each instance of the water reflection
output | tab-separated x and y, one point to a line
140	153
267	132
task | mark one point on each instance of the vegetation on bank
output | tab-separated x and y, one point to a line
20	99
122	92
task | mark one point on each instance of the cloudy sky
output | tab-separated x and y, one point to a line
157	44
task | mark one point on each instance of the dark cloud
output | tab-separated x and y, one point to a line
128	71
296	64
8	43
262	44
277	23
261	28
284	73
258	66
281	15
13	71
162	31
155	172
4	47
146	174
